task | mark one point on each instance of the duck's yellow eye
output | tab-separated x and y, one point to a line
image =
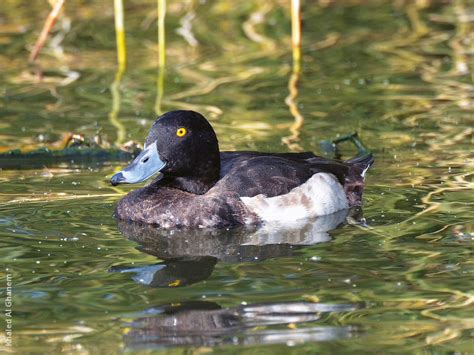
181	132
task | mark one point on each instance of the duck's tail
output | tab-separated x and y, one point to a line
362	163
356	167
354	184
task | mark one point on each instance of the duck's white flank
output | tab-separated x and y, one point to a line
322	194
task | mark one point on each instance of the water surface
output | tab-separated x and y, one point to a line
398	73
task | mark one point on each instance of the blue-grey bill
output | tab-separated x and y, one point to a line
141	168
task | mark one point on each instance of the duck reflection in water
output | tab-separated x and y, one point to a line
190	255
207	324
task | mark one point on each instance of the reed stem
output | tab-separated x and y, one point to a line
292	99
47	27
122	63
120	34
160	83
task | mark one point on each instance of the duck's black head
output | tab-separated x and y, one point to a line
183	146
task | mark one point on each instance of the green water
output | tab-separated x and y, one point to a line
399	74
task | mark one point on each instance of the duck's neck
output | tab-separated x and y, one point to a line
192	185
199	182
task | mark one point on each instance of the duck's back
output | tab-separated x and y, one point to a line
274	174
